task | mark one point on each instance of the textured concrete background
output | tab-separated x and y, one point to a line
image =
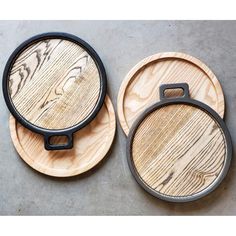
110	189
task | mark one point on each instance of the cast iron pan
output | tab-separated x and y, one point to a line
179	149
54	84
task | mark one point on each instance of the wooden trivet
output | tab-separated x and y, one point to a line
140	88
91	144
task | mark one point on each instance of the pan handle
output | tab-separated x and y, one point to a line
183	86
49	146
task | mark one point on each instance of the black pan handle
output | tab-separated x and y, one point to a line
49	146
183	86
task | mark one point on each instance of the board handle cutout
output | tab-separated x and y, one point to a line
183	86
61	146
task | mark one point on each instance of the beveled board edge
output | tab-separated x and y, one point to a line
24	156
214	116
145	61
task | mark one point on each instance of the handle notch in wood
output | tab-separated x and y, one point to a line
183	86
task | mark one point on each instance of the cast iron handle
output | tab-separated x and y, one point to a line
50	146
183	86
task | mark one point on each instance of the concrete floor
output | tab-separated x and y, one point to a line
110	189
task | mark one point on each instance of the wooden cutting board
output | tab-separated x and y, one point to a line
91	145
53	79
141	85
178	152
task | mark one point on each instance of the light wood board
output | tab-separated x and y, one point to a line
140	88
51	81
91	144
179	150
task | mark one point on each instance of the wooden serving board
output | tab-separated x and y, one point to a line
140	87
52	80
91	144
178	150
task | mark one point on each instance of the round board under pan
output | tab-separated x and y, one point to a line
140	88
91	144
179	149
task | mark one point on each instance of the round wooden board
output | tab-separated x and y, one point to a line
178	152
53	79
91	144
140	88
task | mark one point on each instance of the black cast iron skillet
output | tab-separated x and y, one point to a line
48	133
185	99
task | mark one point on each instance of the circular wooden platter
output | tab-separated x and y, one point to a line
140	87
178	152
51	79
91	144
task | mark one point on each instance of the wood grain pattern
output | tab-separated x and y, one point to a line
140	88
179	150
91	144
51	81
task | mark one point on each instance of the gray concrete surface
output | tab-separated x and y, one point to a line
110	189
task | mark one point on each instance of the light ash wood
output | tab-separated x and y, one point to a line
53	80
140	87
179	150
91	144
